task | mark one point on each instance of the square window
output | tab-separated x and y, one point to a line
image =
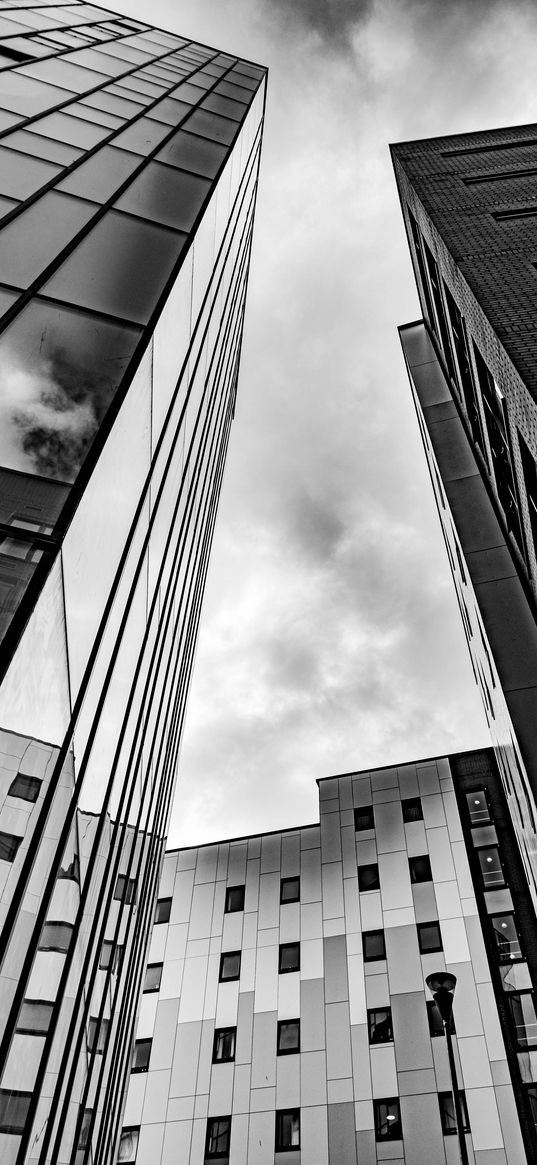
9	845
379	1022
128	1144
412	810
387	1119
162	910
447	1113
478	807
429	937
290	890
364	818
420	869
234	899
287	1129
368	878
141	1054
97	1033
14	1107
230	966
153	976
125	891
289	958
288	1037
491	866
218	1137
27	788
107	955
56	936
34	1017
374	945
436	1026
224	1045
507	939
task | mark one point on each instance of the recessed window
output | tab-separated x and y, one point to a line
289	958
507	938
153	976
56	936
374	945
420	869
141	1054
97	1033
363	818
225	1039
436	1026
429	937
379	1022
27	788
531	1091
368	878
85	1130
9	845
447	1113
230	966
387	1119
34	1017
234	899
14	1107
111	955
163	909
290	890
288	1036
128	1144
478	807
218	1137
287	1129
522	1007
491	867
412	810
125	889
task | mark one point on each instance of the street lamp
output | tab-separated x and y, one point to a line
442	986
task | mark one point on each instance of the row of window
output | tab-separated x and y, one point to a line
289	892
364	816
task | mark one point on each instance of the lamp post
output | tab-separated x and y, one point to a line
442	986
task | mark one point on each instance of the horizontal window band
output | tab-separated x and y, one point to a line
500	176
491	146
518	212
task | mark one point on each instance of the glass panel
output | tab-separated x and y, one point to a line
120	90
105	271
234	899
116	105
8	119
374	947
491	867
234	91
290	890
9	845
219	104
27	95
141	85
368	878
380	1025
210	125
525	1018
192	94
162	910
429	937
93	59
61	71
477	807
142	136
289	1035
193	153
13	1110
29	243
153	976
41	147
142	1054
165	195
7	204
34	1016
507	939
27	788
30	502
56	936
169	111
387	1120
71	129
230	965
102	174
218	1136
21	175
290	957
96	116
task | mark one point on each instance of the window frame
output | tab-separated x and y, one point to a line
371	1026
229	908
287	947
484	821
510	996
286	882
361	869
229	978
413	870
36	783
151	990
521	958
220	1032
420	928
7	1093
373	958
282	1023
138	1044
448	1096
25	1028
495	885
65	928
129	1130
159	902
367	812
280	1115
125	891
392	1101
407	805
224	1153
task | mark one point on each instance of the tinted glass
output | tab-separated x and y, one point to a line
27	788
153	976
96	116
288	1129
230	965
380	1025
34	1016
9	845
125	890
420	869
290	890
218	1136
210	125
373	944
368	878
163	909
193	153
169	111
237	92
142	1053
22	175
507	940
217	103
55	936
364	818
387	1120
224	1044
28	245
289	957
234	899
28	96
288	1036
165	195
429	937
412	810
113	104
70	129
42	147
128	1144
477	807
62	71
491	867
142	136
102	174
14	1108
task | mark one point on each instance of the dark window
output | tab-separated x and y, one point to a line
507	938
466	378
109	955
234	899
436	1026
529	469
125	889
379	1022
97	1032
429	937
412	810
290	890
218	1137
478	807
288	1036
84	1131
9	845
368	878
27	788
128	1144
34	1017
230	966
13	1110
162	910
224	1044
420	869
491	866
387	1119
532	1100
153	976
14	54
141	1054
56	936
447	1113
522	1007
287	1129
374	945
364	818
289	959
500	447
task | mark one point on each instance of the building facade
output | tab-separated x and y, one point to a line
285	1016
128	172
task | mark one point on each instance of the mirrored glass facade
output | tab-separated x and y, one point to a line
128	175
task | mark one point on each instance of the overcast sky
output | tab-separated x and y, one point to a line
331	640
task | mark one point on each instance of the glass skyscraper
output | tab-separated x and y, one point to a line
128	168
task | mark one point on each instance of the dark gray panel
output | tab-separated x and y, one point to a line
341	1134
245	1022
335	969
312	1033
411	1032
264	1050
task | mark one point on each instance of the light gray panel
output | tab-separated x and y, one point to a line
411	1032
408	781
312	1078
182	896
251	896
202	910
416	1083
156	1097
185	1066
422	1131
331	836
314	1135
288	1082
221	1093
332	883
341	1134
389	827
204	1063
264	1050
271	853
424	901
310	875
310	837
164	1033
245	1020
395	885
338	1043
492	1157
290	855
207	863
236	871
269	900
223	858
312	1034
404	963
241	1088
361	1062
335	969
512	1138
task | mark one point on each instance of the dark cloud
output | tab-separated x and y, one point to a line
332	21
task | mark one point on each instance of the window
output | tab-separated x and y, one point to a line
368	878
522	1007
218	1137
379	1022
477	807
111	956
491	866
230	966
290	890
234	899
13	1110
84	1131
529	469
9	845
412	810
153	976
27	788
436	1026
429	937
97	1032
288	1037
141	1054
420	869
287	1129
289	959
374	945
507	938
387	1119
447	1113
225	1039
56	936
531	1090
128	1143
125	889
163	909
363	818
34	1017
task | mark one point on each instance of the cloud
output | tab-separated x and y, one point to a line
332	22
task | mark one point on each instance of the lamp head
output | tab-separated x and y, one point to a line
441	980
